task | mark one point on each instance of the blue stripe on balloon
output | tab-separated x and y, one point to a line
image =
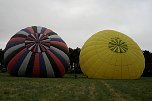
57	39
54	65
18	64
43	72
34	29
26	30
51	33
11	44
18	36
60	48
43	30
59	57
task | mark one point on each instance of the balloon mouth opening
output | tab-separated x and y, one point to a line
37	42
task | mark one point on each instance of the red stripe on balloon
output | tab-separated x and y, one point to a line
15	59
46	44
36	68
44	37
36	35
30	29
35	48
60	66
59	44
30	37
18	39
42	48
29	45
47	31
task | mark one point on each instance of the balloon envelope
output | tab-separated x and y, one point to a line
38	52
110	54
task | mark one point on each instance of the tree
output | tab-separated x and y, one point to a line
76	54
148	64
1	56
2	67
74	60
71	56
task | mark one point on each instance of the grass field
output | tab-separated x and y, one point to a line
71	89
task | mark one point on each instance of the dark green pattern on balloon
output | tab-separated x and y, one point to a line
117	45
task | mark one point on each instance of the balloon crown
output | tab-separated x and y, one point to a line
33	41
117	45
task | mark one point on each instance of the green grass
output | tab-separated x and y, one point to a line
139	90
71	89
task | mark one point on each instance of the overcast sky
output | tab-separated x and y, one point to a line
76	20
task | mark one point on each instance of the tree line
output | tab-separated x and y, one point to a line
75	66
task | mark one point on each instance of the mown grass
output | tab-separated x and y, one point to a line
138	90
71	89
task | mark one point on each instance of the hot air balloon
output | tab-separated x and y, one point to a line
36	52
110	54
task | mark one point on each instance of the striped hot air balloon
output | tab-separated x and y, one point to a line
36	52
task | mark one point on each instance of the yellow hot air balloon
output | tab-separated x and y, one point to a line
110	54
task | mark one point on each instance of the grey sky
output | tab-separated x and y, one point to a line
76	20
